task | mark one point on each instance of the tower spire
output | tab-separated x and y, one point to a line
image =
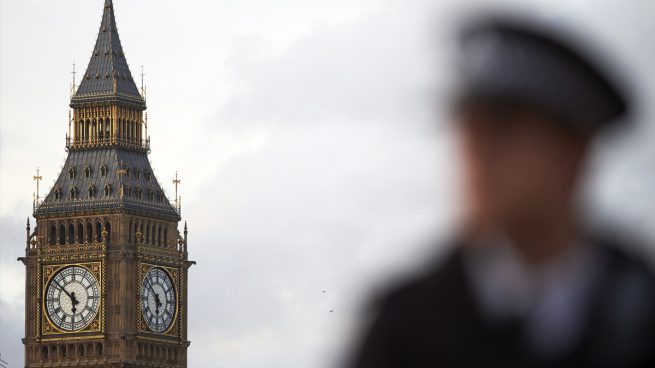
108	78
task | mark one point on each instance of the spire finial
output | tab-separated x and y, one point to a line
142	75
72	92
120	171
177	181
38	178
143	86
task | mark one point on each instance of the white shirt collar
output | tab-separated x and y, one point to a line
552	298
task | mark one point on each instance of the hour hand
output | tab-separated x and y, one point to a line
70	295
74	301
157	303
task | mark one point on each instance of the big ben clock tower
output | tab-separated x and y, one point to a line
106	267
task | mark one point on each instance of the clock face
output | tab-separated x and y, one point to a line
158	300
72	298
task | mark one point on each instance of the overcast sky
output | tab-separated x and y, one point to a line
309	143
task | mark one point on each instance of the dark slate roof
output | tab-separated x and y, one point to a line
108	78
112	158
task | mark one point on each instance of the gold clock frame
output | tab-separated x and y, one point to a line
174	274
97	325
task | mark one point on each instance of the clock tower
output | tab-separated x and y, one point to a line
106	266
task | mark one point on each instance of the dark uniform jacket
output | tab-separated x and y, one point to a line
433	321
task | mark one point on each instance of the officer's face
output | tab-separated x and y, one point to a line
518	165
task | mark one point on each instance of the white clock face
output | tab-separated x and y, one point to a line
158	300
72	298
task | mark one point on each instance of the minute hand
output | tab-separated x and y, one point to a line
149	286
64	290
152	289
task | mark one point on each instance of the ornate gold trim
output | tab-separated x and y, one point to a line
71	338
156	254
171	340
73	252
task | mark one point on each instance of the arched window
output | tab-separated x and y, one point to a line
44	353
148	175
80	350
57	194
107	190
98	232
71	172
137	174
129	191
80	233
71	234
87	172
62	234
127	172
103	170
108	229
91	191
151	195
100	128
89	232
73	193
138	192
166	236
87	128
94	129
53	235
99	349
108	128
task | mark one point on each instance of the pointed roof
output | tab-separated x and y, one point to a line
137	192
108	78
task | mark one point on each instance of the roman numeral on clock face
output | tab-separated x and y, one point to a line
158	299
72	298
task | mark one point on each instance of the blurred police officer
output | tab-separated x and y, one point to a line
524	284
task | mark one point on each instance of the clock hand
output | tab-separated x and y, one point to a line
151	287
71	296
157	303
74	301
62	289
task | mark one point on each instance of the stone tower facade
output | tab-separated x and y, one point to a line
106	267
